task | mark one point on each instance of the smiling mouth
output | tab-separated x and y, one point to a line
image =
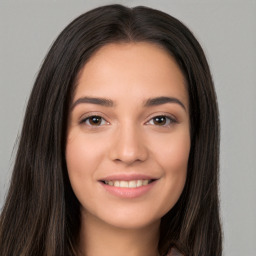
127	184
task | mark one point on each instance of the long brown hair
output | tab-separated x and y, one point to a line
41	214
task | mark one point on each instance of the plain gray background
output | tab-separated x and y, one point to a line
227	32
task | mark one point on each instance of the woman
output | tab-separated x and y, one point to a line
119	149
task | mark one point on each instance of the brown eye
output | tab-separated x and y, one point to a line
94	121
159	120
162	120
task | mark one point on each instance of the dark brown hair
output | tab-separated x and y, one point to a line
41	213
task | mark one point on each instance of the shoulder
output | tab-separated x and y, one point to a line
174	252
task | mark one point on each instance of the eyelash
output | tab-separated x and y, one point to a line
169	119
87	119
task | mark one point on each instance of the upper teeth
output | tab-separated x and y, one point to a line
127	184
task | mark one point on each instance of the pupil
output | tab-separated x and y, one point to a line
95	120
160	120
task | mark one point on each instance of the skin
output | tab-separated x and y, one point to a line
128	139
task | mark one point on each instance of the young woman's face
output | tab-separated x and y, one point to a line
128	137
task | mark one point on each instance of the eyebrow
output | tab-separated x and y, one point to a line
109	103
91	100
163	100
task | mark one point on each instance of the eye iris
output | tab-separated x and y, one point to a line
95	120
160	120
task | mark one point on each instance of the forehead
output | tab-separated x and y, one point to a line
142	69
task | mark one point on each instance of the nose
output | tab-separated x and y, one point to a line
128	146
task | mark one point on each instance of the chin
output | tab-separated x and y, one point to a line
132	223
130	218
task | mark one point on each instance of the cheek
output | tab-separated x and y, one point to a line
82	159
178	154
173	159
82	153
172	152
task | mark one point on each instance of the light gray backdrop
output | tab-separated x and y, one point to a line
227	32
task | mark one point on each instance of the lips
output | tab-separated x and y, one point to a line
128	186
127	177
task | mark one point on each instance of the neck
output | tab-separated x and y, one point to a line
99	238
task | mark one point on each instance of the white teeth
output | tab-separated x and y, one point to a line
127	184
123	184
116	183
139	183
132	184
145	182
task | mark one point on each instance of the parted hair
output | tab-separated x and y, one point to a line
41	215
